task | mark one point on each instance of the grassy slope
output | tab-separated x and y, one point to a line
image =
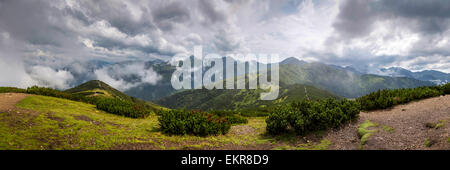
52	123
99	88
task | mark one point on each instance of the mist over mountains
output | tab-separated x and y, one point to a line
342	81
434	76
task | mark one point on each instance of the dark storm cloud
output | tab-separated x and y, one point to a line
432	16
355	19
32	22
415	8
167	16
211	14
117	14
423	25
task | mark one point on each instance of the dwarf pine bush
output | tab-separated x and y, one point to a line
306	116
383	99
180	122
122	108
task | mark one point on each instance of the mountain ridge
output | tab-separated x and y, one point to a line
100	88
343	81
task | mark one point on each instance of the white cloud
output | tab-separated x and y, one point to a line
48	77
127	75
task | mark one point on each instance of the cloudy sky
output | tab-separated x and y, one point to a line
51	42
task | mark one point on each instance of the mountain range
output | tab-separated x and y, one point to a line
297	78
344	82
433	76
436	77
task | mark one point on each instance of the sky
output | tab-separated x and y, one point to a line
54	43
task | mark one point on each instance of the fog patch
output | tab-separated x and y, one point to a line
125	76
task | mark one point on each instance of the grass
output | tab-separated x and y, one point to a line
323	145
363	129
54	123
448	140
96	91
427	142
438	125
364	132
388	129
57	125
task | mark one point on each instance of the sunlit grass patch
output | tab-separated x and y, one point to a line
365	133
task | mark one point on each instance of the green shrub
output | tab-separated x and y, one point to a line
12	90
180	122
43	91
121	107
306	116
446	88
48	92
232	117
281	120
383	99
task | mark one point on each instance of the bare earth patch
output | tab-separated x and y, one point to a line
402	127
242	130
9	100
87	119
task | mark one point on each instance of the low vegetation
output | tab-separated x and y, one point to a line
364	131
383	99
12	90
323	145
122	108
307	116
232	117
427	142
43	91
181	122
388	129
118	106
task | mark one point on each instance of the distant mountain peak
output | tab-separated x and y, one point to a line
434	76
293	60
97	83
97	87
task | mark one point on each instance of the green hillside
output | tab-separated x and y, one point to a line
225	99
100	89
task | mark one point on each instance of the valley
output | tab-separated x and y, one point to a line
341	81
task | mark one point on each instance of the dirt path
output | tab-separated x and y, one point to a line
9	100
401	127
